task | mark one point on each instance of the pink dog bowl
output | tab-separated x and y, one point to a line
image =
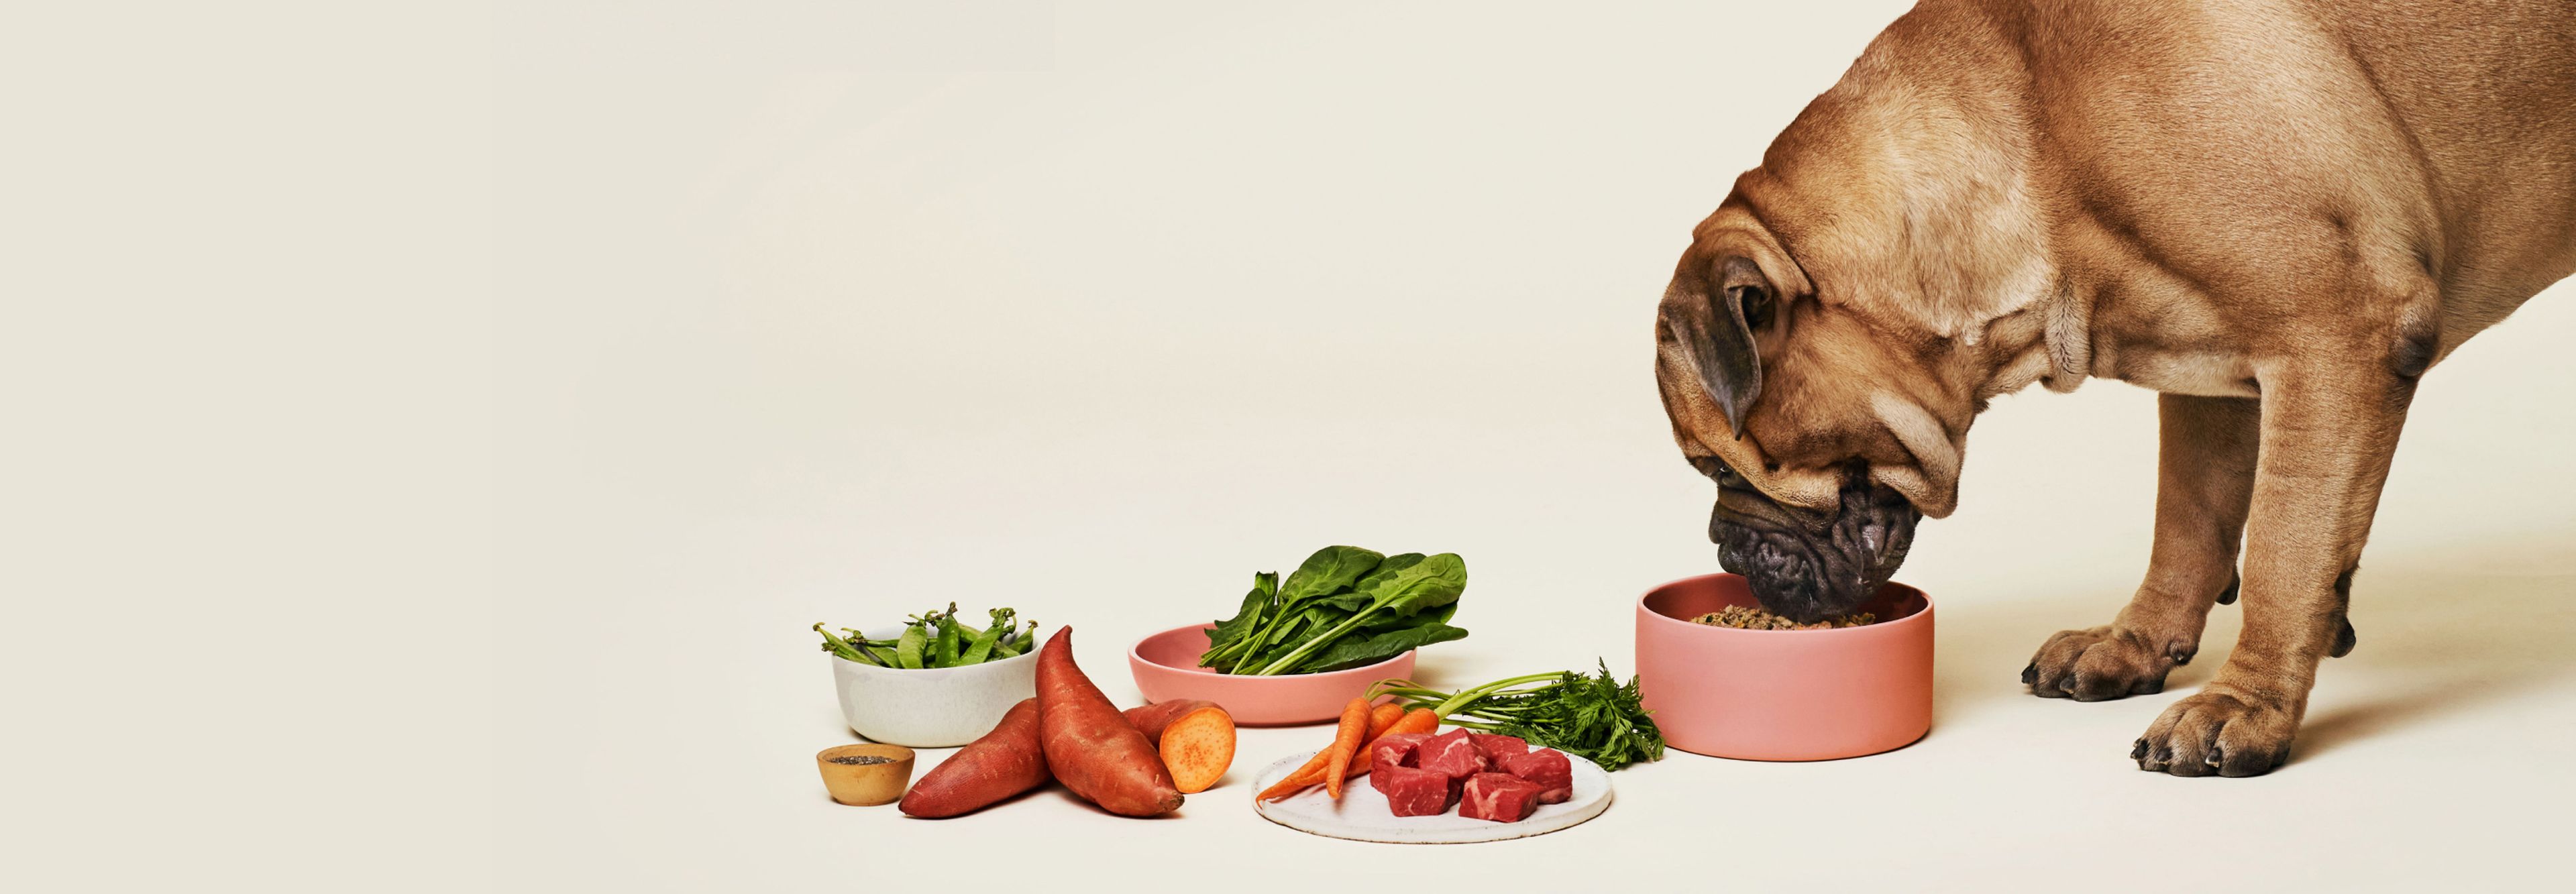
1166	668
1783	695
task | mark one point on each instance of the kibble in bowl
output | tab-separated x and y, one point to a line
1743	617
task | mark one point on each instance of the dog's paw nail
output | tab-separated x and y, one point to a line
2138	751
2067	684
2030	675
2164	755
2217	756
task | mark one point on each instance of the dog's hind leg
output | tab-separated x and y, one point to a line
2205	480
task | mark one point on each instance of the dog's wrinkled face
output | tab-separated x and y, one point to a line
1811	418
1806	565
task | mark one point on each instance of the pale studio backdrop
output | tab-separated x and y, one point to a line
1095	312
807	311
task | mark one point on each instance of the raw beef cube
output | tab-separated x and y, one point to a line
1546	768
1450	754
1500	797
1494	747
1413	792
1395	749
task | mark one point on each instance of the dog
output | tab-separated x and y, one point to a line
2279	214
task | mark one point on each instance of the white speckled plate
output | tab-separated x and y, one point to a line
1362	815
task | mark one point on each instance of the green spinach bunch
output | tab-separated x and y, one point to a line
935	639
1345	607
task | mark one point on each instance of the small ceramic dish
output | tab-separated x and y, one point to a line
932	707
1783	695
865	775
1166	667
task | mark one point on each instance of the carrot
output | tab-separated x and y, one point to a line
1309	774
1355	720
1313	771
1089	745
1380	718
1418	720
1005	762
1194	736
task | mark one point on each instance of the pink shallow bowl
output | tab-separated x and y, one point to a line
1166	668
1783	695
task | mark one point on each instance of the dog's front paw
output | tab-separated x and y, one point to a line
2102	663
2222	730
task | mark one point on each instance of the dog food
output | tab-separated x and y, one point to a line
1746	618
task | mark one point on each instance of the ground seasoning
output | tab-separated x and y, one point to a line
860	759
1747	618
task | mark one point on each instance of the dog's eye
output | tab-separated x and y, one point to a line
1756	302
1716	469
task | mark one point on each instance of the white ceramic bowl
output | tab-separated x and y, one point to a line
932	707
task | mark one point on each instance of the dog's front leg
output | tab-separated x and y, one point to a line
2329	425
2204	478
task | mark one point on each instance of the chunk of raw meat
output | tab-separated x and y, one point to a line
1494	746
1450	754
1500	797
1413	792
1546	768
1395	749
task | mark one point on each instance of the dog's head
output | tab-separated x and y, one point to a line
1827	428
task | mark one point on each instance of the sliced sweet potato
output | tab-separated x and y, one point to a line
1194	736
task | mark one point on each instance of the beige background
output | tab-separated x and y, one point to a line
484	507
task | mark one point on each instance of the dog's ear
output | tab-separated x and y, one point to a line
1715	330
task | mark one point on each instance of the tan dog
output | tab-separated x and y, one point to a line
2279	214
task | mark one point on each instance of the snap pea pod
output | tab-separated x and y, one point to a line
936	639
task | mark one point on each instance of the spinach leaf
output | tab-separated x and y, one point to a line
1343	606
1408	588
1403	585
1227	635
1300	625
1383	623
1356	651
1327	571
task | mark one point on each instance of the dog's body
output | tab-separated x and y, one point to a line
2280	214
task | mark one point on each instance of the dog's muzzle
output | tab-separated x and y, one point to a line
1806	565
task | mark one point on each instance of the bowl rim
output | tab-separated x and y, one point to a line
872	633
1136	657
1891	627
901	754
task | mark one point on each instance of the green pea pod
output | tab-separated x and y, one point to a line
982	647
907	650
946	645
1013	645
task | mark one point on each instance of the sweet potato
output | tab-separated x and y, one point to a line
1194	736
1089	745
1005	762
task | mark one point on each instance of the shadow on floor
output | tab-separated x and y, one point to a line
2432	639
